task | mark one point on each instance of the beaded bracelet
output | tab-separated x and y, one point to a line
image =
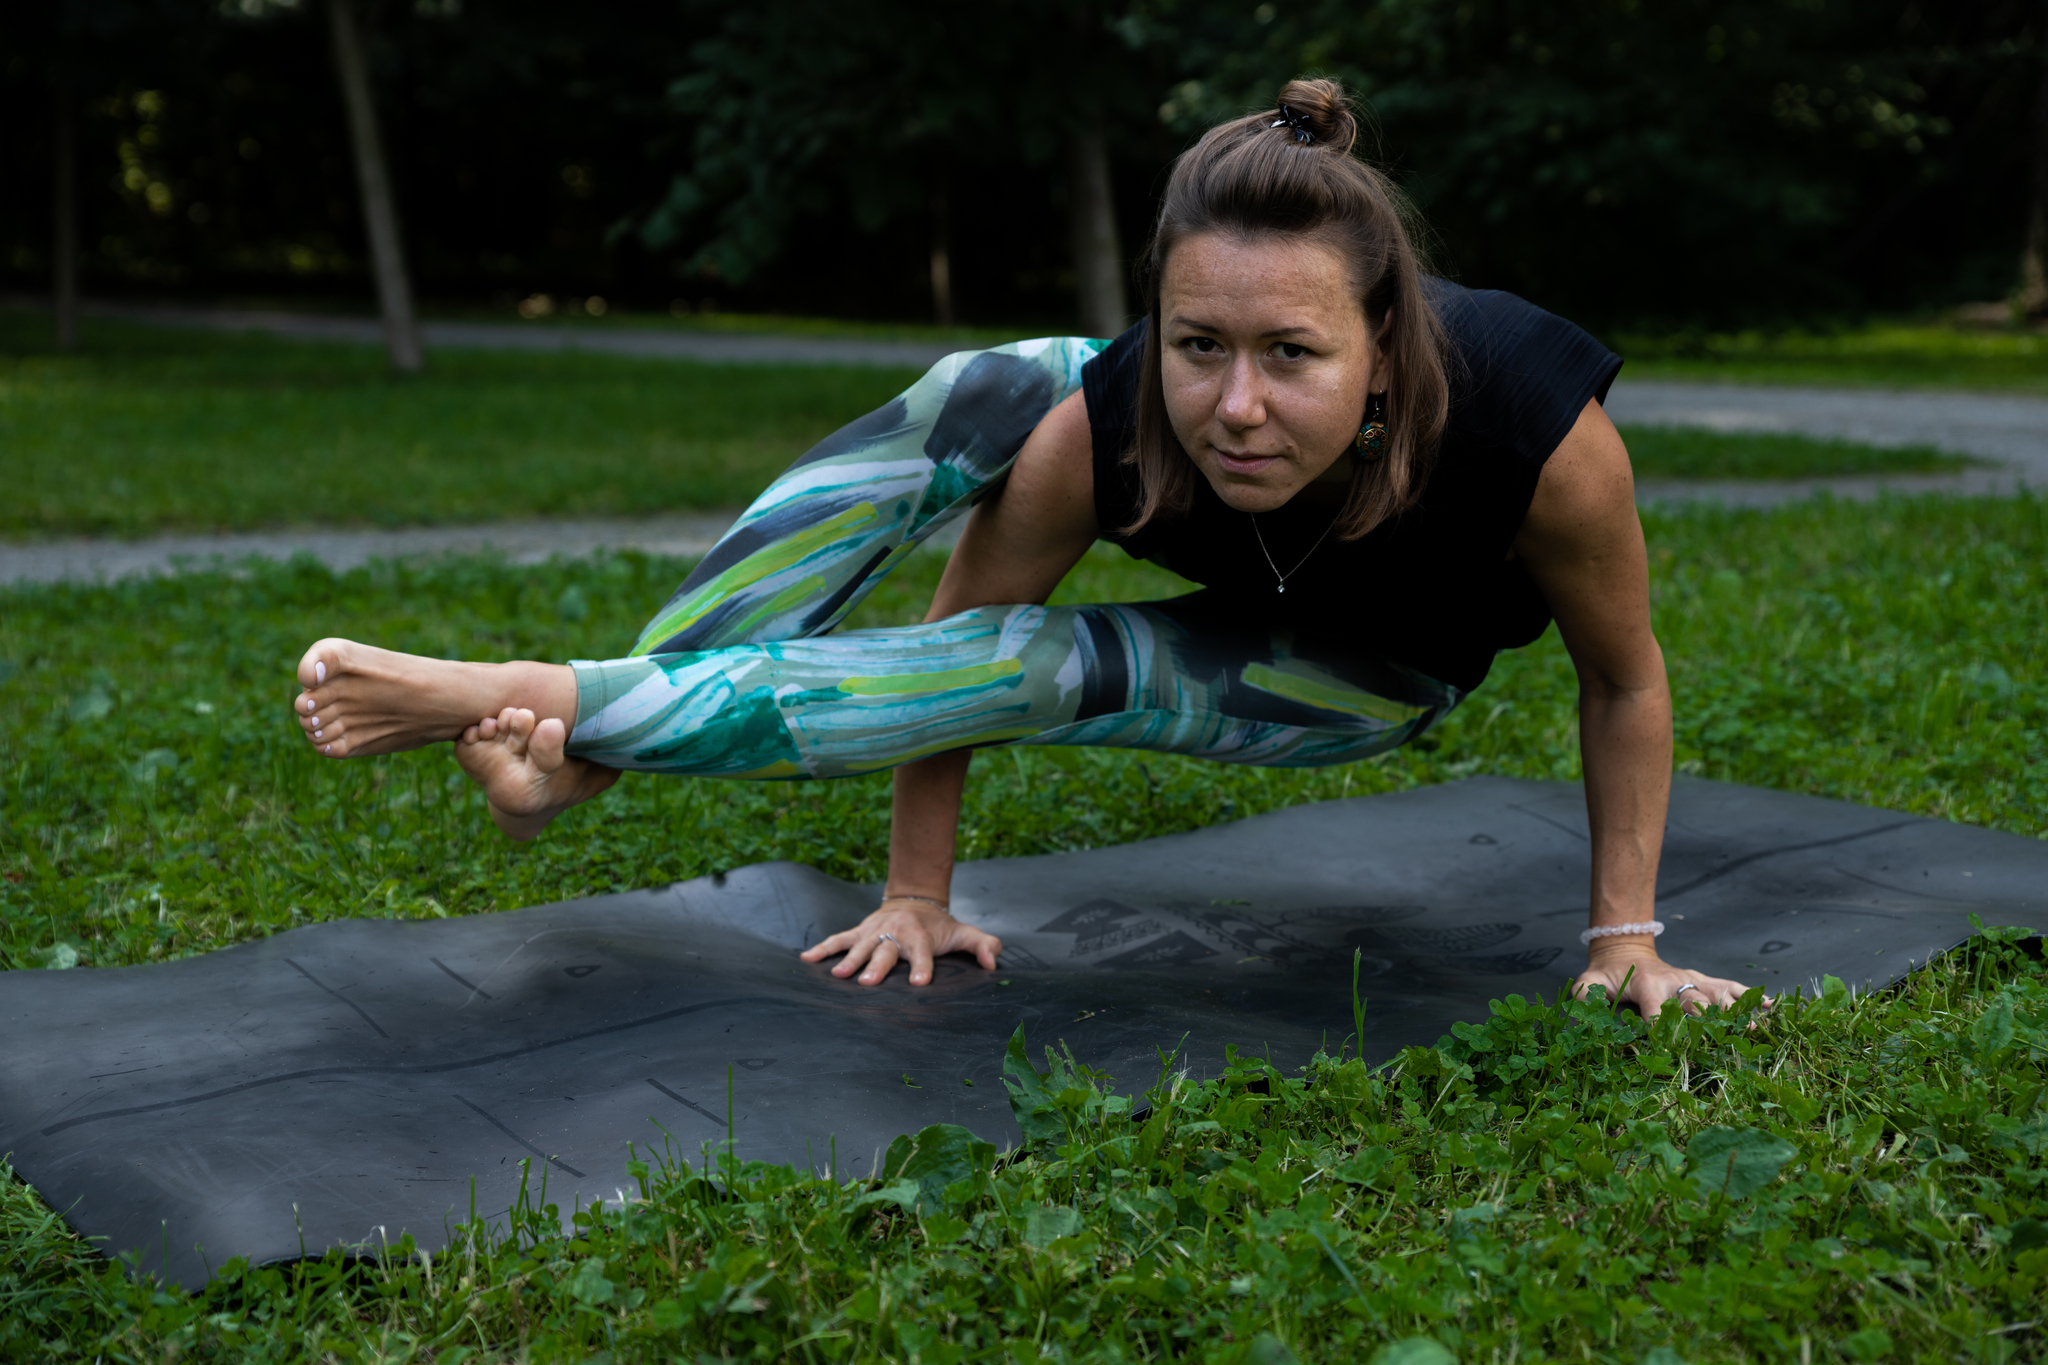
906	896
1650	927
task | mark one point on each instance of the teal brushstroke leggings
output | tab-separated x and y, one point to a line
738	675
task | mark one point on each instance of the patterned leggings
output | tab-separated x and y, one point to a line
737	675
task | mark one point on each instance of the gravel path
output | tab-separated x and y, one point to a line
521	542
2011	431
739	348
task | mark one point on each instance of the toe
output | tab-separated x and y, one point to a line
546	745
321	661
516	723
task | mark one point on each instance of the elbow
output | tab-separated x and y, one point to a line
1637	679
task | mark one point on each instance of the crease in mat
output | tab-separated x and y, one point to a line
346	1082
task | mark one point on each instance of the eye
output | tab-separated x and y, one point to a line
1288	350
1201	345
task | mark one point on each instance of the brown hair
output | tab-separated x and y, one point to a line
1251	178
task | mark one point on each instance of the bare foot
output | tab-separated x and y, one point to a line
359	699
526	776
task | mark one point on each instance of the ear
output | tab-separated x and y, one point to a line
1385	334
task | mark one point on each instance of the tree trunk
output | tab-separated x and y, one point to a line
942	259
1098	259
2033	295
64	225
380	214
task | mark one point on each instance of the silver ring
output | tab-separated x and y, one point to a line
890	938
1688	986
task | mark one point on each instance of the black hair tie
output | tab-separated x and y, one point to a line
1291	118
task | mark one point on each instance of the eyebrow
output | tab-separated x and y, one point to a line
1178	320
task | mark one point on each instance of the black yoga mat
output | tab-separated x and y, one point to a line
345	1082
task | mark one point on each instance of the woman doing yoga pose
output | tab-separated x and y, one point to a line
1381	479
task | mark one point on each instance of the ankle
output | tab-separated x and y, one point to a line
547	690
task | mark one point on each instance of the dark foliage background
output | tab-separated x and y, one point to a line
1686	162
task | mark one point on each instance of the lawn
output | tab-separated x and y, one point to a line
157	801
1900	355
1525	1189
1696	453
154	429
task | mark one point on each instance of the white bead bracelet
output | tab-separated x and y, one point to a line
1650	927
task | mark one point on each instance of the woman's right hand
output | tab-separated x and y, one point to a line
901	928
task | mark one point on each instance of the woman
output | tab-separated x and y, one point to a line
1381	480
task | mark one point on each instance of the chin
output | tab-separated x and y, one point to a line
1248	495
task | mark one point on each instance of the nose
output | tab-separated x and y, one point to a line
1242	403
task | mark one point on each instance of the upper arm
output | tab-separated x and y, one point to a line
1020	542
1583	545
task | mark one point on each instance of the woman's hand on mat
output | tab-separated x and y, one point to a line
904	928
1635	974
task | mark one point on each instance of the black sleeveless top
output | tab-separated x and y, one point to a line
1433	588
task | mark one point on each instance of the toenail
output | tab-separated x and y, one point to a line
319	734
325	747
319	671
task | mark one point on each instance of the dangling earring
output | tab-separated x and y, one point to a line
1372	437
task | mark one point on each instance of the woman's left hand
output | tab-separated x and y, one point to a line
1651	981
908	929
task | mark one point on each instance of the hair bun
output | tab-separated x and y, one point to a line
1323	107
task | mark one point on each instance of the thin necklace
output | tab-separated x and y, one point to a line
1283	577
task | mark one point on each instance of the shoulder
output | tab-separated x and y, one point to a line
1110	383
1109	386
1520	376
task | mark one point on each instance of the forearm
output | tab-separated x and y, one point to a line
924	825
1016	547
1625	747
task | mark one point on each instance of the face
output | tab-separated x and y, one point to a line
1266	362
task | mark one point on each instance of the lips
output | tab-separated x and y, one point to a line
1246	463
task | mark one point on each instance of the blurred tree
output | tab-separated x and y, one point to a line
2033	291
1703	159
1696	162
214	157
57	50
64	218
801	108
373	178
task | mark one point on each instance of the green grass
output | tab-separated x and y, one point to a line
1882	355
1693	453
158	801
155	802
154	429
